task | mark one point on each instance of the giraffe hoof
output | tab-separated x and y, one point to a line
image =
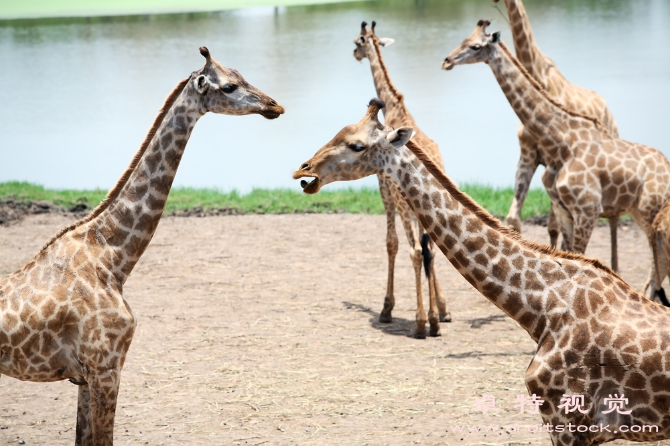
435	331
420	335
446	317
385	318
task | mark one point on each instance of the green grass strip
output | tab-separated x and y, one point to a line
274	201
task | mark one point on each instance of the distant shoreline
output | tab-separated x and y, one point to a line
18	199
45	9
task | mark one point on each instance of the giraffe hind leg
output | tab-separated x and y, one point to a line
438	304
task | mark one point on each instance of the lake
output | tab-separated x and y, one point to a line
78	95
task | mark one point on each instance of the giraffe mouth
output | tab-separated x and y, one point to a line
308	187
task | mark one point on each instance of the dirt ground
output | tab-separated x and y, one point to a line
262	329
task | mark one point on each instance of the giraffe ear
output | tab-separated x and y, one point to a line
495	37
201	84
400	136
386	41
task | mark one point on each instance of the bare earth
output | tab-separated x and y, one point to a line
263	329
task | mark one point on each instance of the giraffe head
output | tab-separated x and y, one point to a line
365	41
475	48
224	90
358	150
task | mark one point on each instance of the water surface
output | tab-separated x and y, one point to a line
78	95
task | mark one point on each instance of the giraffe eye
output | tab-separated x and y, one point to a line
356	147
476	47
229	88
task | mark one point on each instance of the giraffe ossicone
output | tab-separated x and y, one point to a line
595	335
63	315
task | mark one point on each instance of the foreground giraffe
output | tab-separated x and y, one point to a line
368	45
595	335
589	172
63	315
573	97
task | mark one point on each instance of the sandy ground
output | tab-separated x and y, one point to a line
263	330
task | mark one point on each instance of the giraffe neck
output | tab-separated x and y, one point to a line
130	220
519	277
543	116
386	91
527	51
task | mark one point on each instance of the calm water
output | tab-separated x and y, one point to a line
78	95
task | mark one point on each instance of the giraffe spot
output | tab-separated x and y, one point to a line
491	252
540	325
474	244
413	191
492	291
481	259
532	281
500	269
473	225
462	258
636	381
518	262
436	233
512	304
162	184
455	222
436	198
648	344
449	241
526	320
651	363
580	337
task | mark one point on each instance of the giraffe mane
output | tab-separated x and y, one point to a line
544	93
121	182
493	222
395	91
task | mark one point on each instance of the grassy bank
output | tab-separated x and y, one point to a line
274	201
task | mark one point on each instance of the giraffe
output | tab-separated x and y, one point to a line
63	315
588	172
596	337
368	45
575	98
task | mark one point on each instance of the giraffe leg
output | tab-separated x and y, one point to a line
525	169
584	223
614	225
104	389
429	268
553	227
391	249
84	431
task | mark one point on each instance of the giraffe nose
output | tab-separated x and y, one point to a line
273	102
306	166
446	59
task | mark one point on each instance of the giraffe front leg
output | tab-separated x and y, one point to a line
428	251
391	249
103	388
525	169
429	268
84	431
585	222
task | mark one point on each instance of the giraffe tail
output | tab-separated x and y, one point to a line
425	252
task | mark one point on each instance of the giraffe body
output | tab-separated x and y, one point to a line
396	114
588	172
63	315
596	336
573	97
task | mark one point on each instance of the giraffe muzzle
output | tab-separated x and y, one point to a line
447	64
